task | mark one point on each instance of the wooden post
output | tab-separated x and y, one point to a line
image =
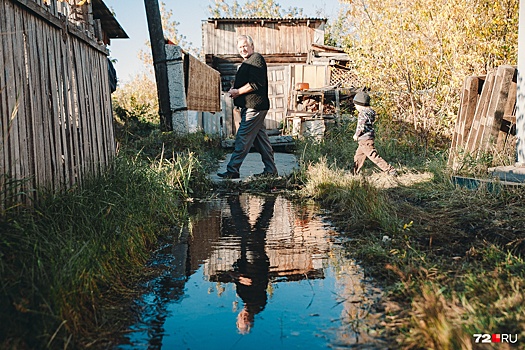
156	37
520	101
337	104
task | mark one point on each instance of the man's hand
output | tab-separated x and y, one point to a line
355	137
234	93
247	281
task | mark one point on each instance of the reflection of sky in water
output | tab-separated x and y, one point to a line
312	297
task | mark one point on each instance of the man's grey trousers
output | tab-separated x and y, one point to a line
252	132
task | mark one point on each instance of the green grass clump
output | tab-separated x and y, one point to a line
65	259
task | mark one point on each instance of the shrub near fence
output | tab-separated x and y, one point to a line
55	107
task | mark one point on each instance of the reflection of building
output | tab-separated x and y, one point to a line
254	243
205	230
296	242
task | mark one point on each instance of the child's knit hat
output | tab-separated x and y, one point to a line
362	99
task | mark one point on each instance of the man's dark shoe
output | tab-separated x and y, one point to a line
228	175
265	174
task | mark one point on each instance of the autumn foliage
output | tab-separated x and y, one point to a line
415	54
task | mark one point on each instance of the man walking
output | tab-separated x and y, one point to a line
250	93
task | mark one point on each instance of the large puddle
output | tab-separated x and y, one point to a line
256	272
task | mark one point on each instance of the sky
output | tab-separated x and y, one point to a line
190	14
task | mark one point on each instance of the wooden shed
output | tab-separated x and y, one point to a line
284	43
55	101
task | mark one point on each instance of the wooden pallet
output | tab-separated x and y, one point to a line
486	118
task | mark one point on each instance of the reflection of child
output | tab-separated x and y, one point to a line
365	136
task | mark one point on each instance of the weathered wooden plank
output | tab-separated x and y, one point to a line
270	37
19	96
219	43
25	116
90	156
102	92
205	37
72	117
92	118
83	112
477	127
59	77
97	118
108	146
496	109
469	100
284	39
42	116
49	111
5	112
89	116
79	127
212	43
298	39
33	103
54	109
506	137
474	87
261	38
9	90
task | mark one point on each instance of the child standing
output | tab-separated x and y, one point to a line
365	136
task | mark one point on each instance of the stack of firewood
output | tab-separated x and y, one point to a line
311	105
308	105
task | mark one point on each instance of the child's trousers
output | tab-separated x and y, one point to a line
367	149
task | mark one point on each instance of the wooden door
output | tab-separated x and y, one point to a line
278	87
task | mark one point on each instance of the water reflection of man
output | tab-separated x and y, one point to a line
251	270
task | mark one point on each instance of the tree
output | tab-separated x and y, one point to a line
256	8
415	54
336	29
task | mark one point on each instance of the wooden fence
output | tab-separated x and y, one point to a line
55	107
486	120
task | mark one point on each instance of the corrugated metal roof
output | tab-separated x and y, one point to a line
109	23
269	19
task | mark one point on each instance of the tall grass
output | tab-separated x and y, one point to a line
63	260
397	143
450	259
363	205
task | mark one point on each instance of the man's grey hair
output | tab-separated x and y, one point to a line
245	37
